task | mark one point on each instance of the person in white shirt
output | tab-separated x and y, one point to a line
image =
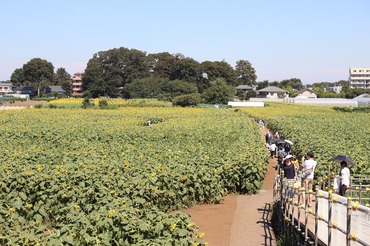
344	178
272	150
308	165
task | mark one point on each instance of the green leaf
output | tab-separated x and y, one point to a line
182	232
22	195
18	204
68	239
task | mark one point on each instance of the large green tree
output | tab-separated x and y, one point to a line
63	78
186	69
109	71
294	83
219	92
61	75
161	64
149	87
154	87
245	72
38	73
219	69
17	77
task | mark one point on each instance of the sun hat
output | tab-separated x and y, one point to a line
288	157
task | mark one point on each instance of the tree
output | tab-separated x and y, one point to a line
354	92
17	77
154	87
219	92
293	83
161	64
219	69
149	87
319	89
61	76
186	69
292	92
187	100
38	73
274	83
263	84
67	87
245	73
109	71
251	94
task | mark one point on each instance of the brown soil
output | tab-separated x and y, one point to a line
239	220
28	103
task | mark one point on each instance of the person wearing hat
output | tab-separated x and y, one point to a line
344	178
289	172
288	167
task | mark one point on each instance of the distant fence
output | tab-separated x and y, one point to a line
332	219
245	104
339	102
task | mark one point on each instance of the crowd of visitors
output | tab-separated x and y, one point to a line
301	173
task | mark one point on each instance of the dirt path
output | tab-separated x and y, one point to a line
240	220
20	105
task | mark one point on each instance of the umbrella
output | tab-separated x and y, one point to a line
340	158
288	141
278	141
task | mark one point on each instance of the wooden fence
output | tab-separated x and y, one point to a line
332	219
358	190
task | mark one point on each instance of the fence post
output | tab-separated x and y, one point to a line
349	211
306	211
300	194
360	192
330	204
316	216
294	189
287	207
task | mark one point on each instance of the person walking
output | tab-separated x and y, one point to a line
289	169
289	174
344	178
272	150
308	166
268	137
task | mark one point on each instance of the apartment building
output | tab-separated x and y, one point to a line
359	78
77	90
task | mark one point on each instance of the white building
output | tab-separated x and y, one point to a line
359	78
6	88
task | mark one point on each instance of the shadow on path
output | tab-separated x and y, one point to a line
266	222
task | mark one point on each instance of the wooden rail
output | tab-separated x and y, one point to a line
331	219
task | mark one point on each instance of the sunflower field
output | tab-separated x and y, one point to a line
323	130
104	177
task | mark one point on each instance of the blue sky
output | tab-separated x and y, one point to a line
315	41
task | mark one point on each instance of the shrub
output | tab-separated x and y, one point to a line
86	103
187	100
103	103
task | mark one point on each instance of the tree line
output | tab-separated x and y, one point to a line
131	73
